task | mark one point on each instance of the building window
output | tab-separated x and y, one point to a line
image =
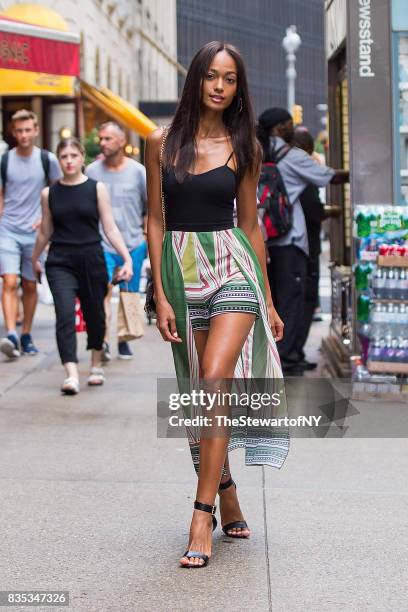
141	72
120	82
97	67
109	75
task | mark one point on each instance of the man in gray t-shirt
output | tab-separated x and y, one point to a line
126	182
22	179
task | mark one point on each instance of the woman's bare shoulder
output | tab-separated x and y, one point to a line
154	138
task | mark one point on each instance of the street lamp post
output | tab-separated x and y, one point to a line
291	44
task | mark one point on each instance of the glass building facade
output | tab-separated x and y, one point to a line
257	28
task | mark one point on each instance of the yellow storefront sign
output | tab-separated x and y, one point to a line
23	82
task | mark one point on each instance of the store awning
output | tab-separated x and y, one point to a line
119	109
36	60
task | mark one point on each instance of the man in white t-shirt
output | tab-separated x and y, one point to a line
25	170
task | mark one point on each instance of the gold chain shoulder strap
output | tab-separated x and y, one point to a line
163	142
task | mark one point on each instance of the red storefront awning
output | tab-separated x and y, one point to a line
36	49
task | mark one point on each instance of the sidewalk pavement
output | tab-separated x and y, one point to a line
93	503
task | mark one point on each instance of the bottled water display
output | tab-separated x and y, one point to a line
390	283
389	333
381	287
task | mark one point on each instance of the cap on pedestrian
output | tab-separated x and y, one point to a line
273	116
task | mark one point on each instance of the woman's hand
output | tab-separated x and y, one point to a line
37	224
275	322
125	273
166	321
37	268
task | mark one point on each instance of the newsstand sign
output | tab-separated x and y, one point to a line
369	65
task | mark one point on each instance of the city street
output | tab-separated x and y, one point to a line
205	153
94	503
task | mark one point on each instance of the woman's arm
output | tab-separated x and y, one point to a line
154	210
44	232
112	231
248	222
166	321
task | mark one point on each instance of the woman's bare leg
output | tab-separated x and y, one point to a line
230	510
200	338
229	505
219	356
96	358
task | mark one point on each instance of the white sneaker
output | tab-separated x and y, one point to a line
70	386
96	377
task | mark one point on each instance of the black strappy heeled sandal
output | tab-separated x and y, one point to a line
193	553
234	524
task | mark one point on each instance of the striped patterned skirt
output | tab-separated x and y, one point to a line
205	274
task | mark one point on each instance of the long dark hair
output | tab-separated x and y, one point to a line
238	118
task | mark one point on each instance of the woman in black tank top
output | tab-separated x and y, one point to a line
71	211
211	288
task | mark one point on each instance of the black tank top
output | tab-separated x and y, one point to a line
74	213
202	202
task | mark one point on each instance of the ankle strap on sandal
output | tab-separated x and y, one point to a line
205	507
226	485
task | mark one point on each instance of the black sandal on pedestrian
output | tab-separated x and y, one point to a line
193	553
234	524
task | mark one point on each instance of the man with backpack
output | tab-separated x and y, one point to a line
24	170
286	172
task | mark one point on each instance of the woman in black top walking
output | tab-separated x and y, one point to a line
75	266
210	282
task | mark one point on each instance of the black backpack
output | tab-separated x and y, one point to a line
275	209
45	161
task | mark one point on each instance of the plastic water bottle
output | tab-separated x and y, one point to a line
403	333
401	318
377	346
379	283
389	351
364	332
400	352
402	285
389	318
377	320
390	284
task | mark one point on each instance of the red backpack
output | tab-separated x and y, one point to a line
274	208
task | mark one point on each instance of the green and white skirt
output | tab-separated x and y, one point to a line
205	274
